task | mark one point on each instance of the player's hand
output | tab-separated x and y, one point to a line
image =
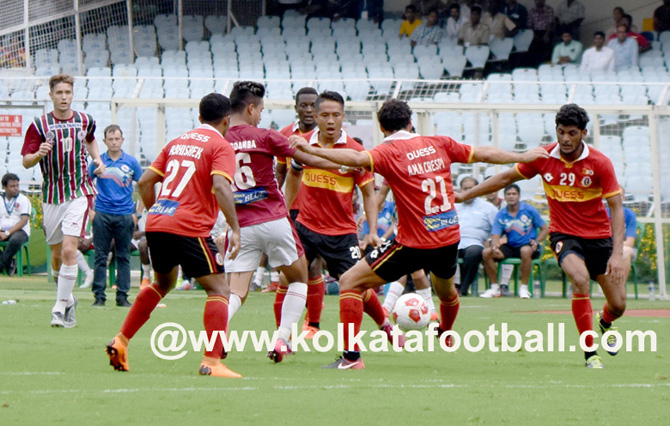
220	240
534	154
100	168
234	244
3	236
371	240
615	269
45	149
298	142
459	196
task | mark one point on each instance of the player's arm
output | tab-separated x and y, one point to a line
615	262
146	186
492	184
293	179
493	155
33	140
371	213
346	157
280	171
94	152
313	161
226	201
382	194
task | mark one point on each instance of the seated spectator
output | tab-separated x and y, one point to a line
428	33
424	7
499	23
14	221
662	17
567	52
455	22
617	15
599	57
410	23
625	50
518	222
474	33
542	21
642	42
517	13
570	14
475	217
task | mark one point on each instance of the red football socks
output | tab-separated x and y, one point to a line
139	313
279	302
448	312
583	313
373	306
315	292
215	318
351	312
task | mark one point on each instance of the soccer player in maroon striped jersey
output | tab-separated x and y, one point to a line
418	170
576	180
59	141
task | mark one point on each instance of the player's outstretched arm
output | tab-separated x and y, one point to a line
226	201
314	161
494	183
146	187
345	157
493	155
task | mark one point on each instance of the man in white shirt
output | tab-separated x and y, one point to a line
14	220
455	22
599	57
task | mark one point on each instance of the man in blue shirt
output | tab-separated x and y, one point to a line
517	223
114	215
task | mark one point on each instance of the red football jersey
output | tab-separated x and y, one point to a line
257	195
327	195
288	131
418	170
575	191
186	204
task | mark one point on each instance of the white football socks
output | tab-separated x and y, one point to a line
82	263
66	280
234	303
394	292
292	308
146	271
258	276
427	295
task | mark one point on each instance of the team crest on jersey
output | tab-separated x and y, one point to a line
586	181
559	247
548	177
81	135
51	135
219	259
125	168
587	172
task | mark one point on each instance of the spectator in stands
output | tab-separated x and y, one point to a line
599	57
455	22
567	52
542	21
617	14
475	32
410	23
500	24
114	215
570	14
14	221
518	222
475	218
625	49
662	17
517	13
424	7
428	33
642	42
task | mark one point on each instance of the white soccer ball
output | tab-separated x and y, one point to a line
411	312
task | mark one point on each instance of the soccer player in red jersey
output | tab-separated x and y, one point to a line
266	227
418	170
59	141
576	180
196	170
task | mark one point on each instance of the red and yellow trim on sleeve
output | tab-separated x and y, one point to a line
224	174
372	162
361	185
612	194
155	170
516	168
472	154
284	161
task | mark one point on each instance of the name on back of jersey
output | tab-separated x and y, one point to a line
243	145
419	168
164	207
187	150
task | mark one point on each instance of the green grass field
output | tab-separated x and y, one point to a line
57	376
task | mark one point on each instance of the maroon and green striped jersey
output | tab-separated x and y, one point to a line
64	168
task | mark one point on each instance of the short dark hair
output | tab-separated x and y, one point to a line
305	91
328	95
619	8
476	9
245	93
410	7
599	33
112	128
7	178
469	178
214	108
433	10
512	186
394	115
629	17
572	115
454	6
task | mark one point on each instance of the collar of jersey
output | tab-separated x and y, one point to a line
556	153
314	140
400	134
208	127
